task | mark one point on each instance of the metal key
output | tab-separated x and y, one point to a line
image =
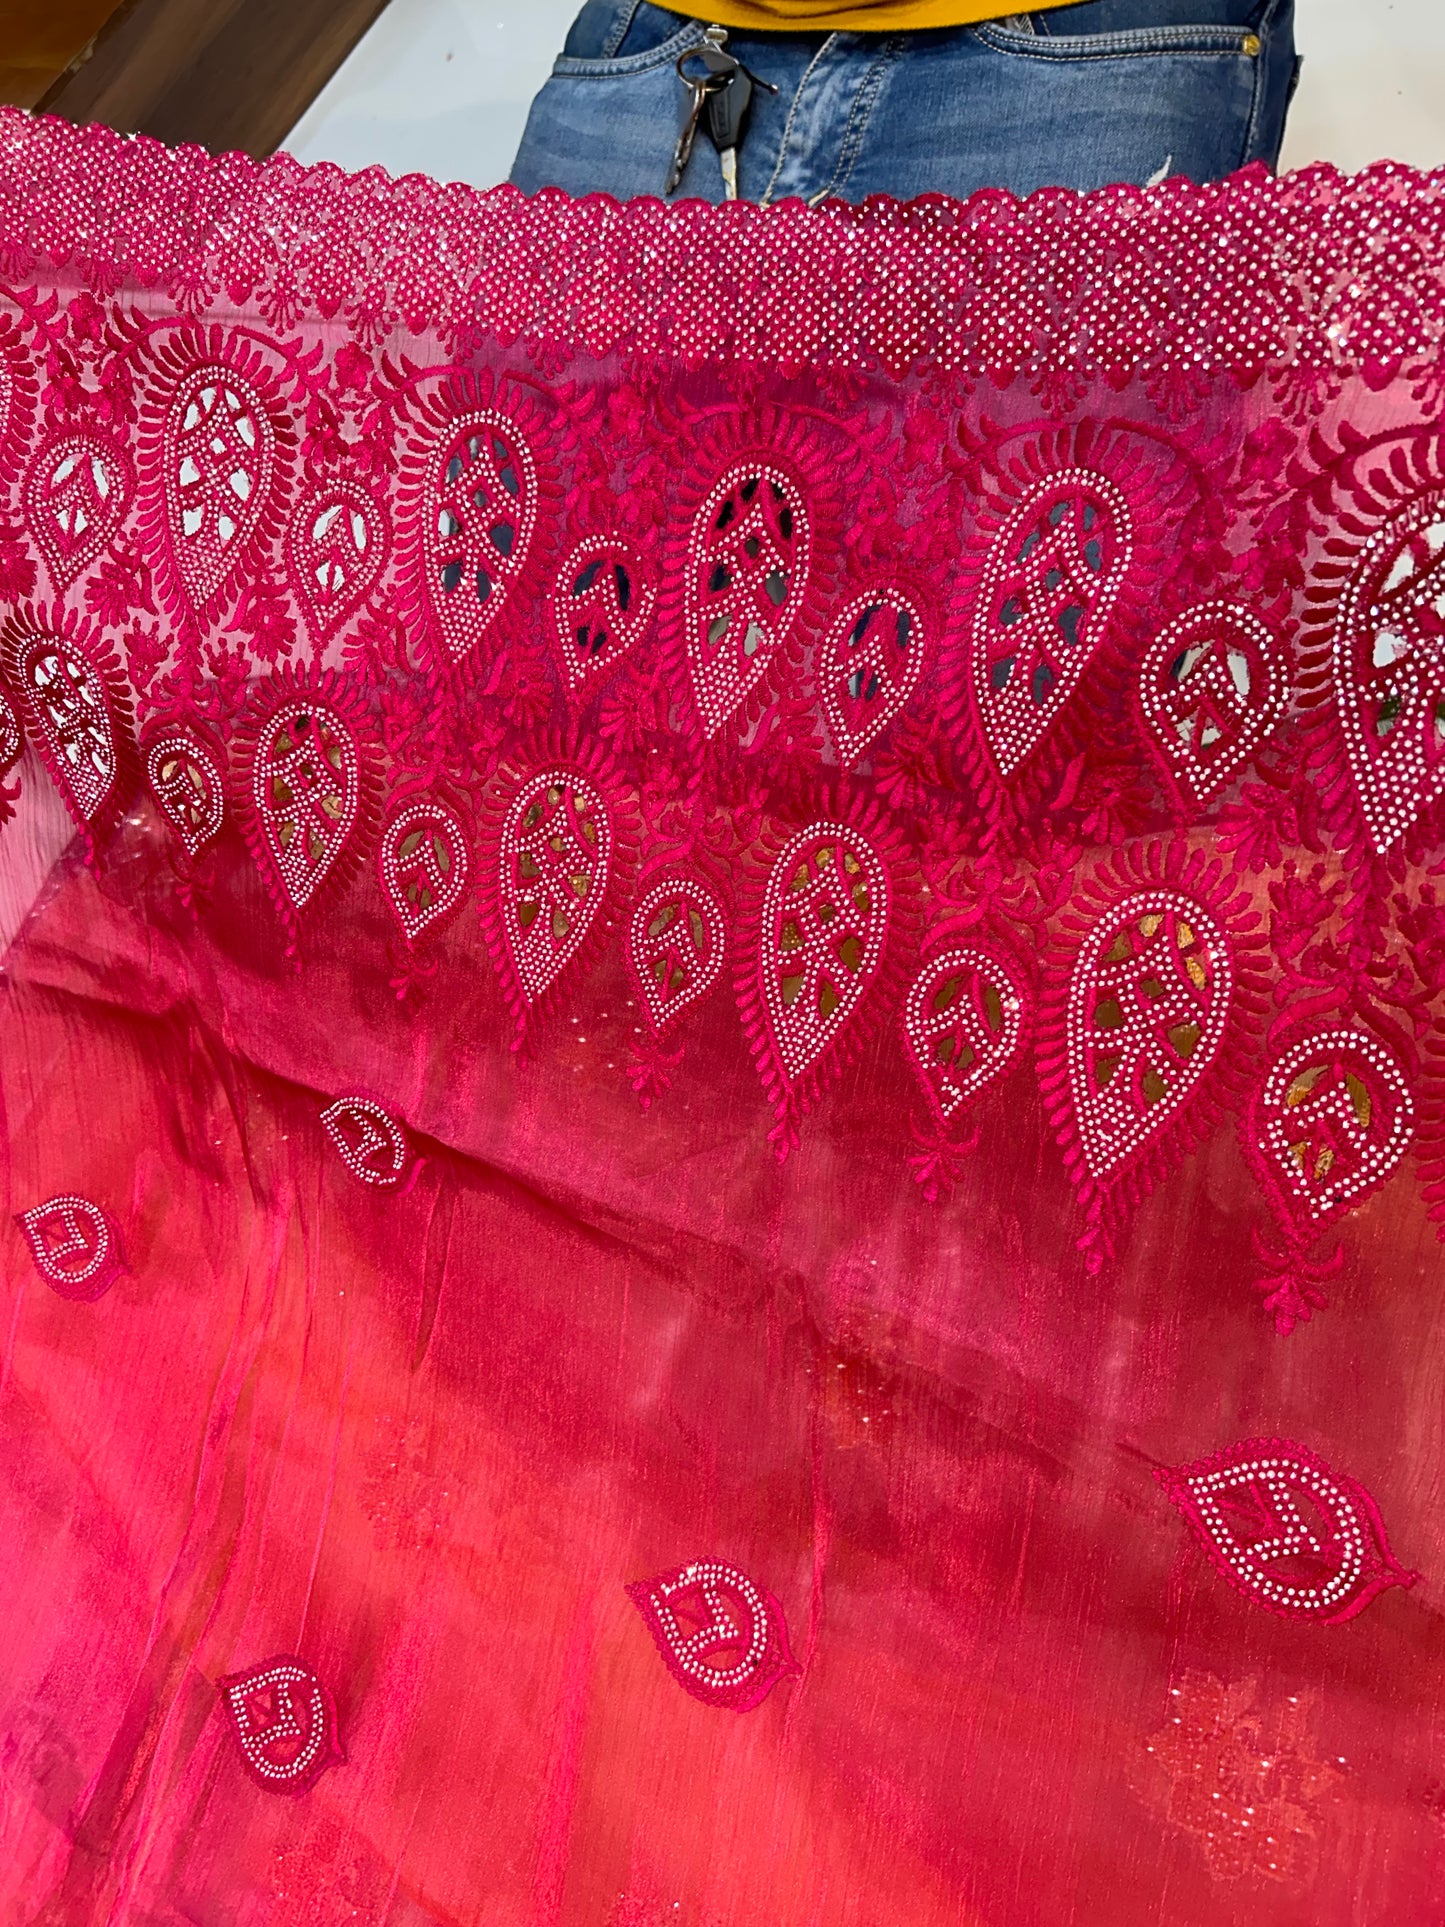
682	153
727	109
721	94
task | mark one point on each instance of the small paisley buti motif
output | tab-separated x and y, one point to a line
601	605
724	1639
76	493
219	455
371	1143
1049	586
1148	1003
1335	1115
1212	688
479	518
306	790
284	1722
336	547
556	860
1389	670
825	919
676	940
425	865
868	667
1287	1530
748	567
963	1022
75	1246
186	782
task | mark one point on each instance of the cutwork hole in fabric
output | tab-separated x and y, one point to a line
723	1638
1389	670
1148	1003
1212	688
76	493
187	784
1051	579
220	467
869	664
963	1021
336	544
67	699
601	605
556	857
284	1723
1336	1116
425	866
306	788
1287	1530
479	520
675	946
825	917
747	571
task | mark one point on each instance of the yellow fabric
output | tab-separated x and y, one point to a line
864	16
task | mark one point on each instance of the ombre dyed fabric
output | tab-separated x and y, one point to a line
722	1060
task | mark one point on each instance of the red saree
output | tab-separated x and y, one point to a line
723	1105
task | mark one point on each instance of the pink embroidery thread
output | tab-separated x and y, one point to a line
1211	690
724	1639
425	866
75	1246
371	1143
1287	1530
284	1723
185	779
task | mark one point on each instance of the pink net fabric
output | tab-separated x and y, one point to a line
721	1134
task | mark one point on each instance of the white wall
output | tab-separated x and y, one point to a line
441	86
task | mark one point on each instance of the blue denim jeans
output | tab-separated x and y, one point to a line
1108	90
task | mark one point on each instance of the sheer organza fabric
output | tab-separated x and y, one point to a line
721	1129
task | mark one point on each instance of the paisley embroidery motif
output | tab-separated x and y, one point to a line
724	1639
69	707
675	945
284	1722
556	855
186	782
747	573
601	605
825	917
75	1246
868	667
1049	585
425	866
336	544
306	792
1335	1117
372	1144
1148	1003
1287	1530
478	522
963	1023
219	454
1212	688
76	493
1389	670
12	742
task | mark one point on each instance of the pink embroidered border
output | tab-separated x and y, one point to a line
1315	268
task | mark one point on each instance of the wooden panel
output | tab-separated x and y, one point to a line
38	41
226	73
